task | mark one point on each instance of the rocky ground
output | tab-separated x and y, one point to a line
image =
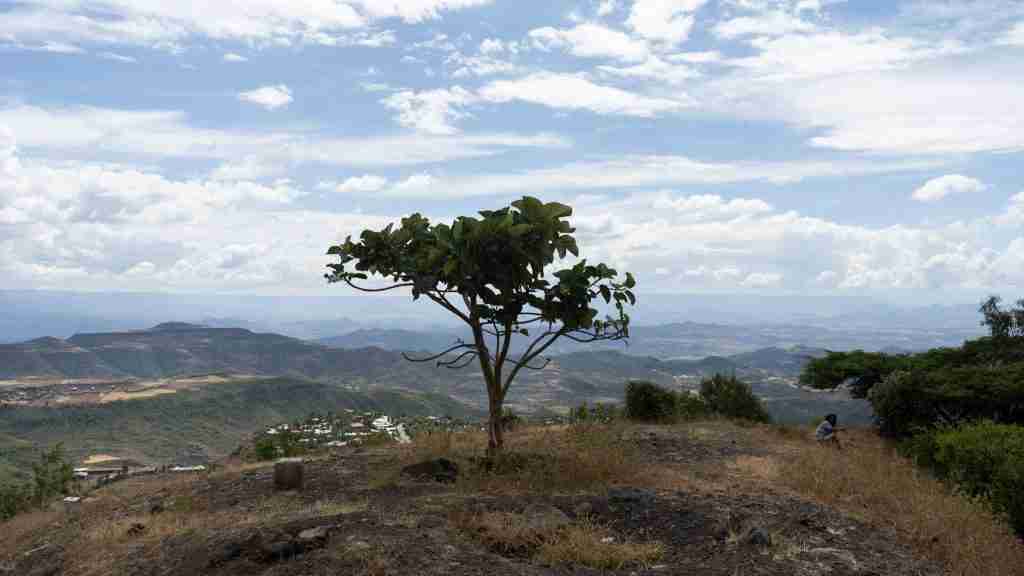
707	496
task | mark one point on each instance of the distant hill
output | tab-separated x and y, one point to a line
686	340
392	339
175	350
180	349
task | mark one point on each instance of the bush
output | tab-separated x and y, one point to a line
691	406
984	460
728	396
14	499
648	402
598	414
51	477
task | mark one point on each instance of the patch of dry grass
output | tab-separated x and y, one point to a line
540	459
584	543
868	479
587	544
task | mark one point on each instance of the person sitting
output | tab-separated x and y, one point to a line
826	432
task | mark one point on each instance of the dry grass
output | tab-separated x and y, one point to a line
540	459
584	543
587	544
867	479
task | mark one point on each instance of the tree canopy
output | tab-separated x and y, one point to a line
493	273
983	378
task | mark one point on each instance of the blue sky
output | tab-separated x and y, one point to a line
766	146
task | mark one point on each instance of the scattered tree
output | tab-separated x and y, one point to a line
492	273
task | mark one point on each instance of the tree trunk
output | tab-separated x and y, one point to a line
495	434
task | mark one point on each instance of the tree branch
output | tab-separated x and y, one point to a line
458	346
385	289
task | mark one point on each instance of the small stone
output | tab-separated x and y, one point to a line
758	537
156	508
359	546
136	529
313	534
288	473
607	540
583	509
543	518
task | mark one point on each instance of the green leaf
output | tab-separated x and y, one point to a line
606	293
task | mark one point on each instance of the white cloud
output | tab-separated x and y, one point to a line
769	250
1014	215
590	40
606	7
696	57
772	23
668	21
68	133
232	57
575	92
117	57
655	69
483	65
492	46
433	111
270	97
762	280
799	56
365	183
649	172
939	188
1014	36
170	25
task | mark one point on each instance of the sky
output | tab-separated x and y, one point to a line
737	146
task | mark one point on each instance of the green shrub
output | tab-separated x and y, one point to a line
598	414
984	460
730	397
265	448
647	402
52	476
14	499
691	406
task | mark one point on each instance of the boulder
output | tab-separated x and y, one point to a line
288	474
439	470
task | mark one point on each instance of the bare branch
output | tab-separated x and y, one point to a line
454	364
458	346
385	289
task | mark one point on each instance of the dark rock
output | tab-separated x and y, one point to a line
440	470
136	529
630	496
156	507
758	537
288	473
280	550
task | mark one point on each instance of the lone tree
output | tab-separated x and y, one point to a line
491	273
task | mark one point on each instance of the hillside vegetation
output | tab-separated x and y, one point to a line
190	426
959	411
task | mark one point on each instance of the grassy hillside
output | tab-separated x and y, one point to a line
191	425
